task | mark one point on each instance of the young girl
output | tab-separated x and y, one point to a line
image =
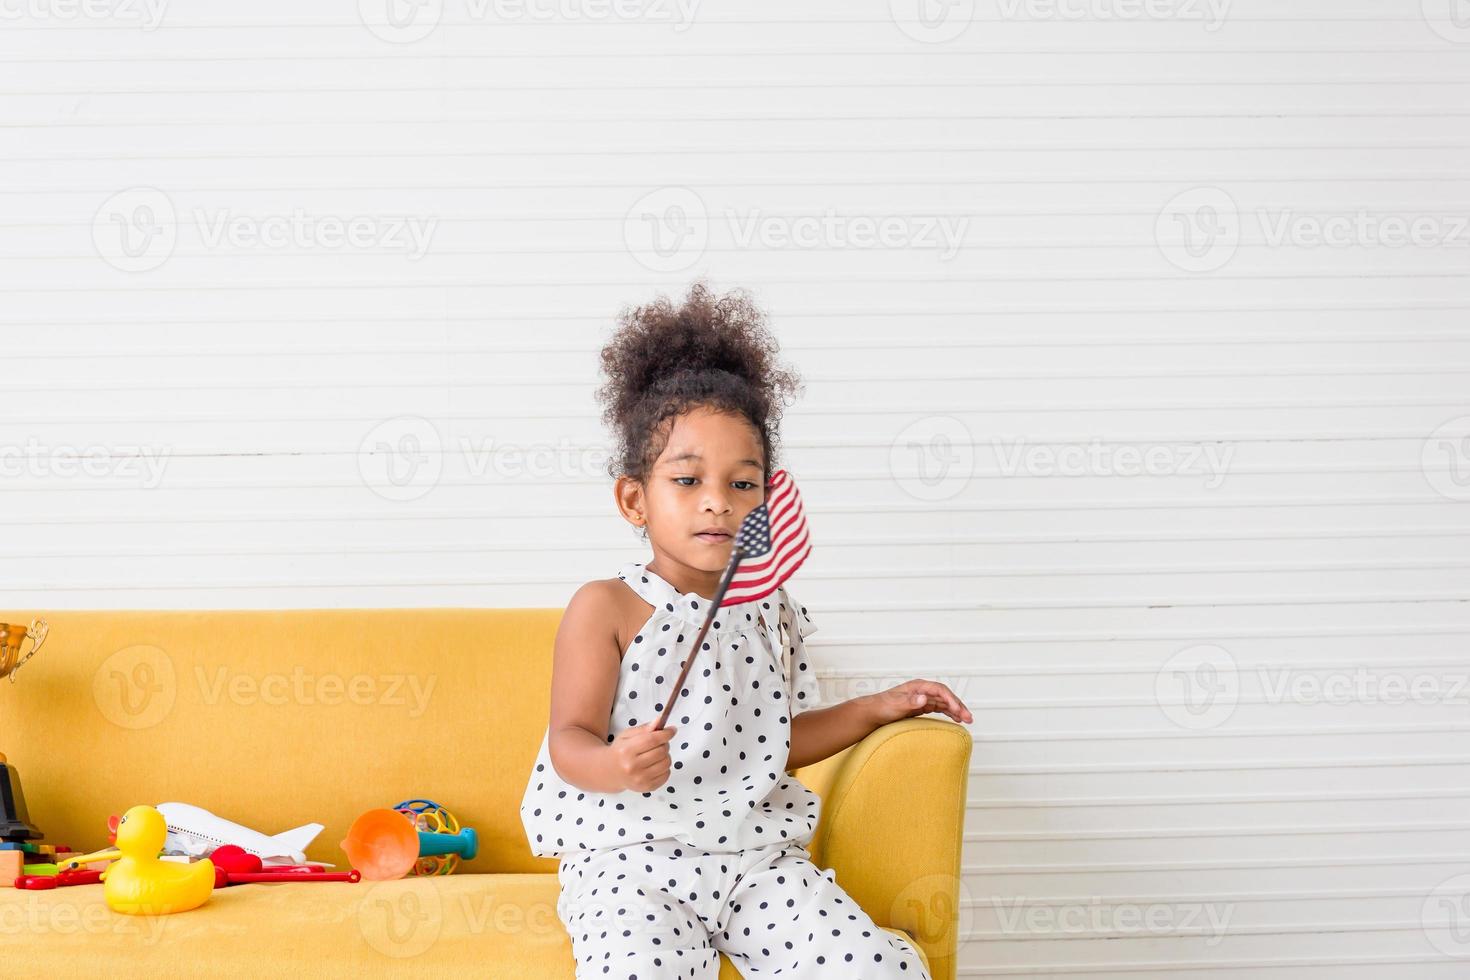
679	844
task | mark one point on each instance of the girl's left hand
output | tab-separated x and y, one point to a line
919	697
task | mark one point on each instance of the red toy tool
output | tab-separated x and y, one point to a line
234	865
58	880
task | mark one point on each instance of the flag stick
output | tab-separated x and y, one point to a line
714	608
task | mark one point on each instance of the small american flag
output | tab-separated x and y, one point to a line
772	542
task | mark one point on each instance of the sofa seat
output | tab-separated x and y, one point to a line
277	718
473	925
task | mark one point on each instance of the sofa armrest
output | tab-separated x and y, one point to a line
892	828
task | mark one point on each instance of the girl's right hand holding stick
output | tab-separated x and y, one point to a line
640	756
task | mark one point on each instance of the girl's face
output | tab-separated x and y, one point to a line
710	475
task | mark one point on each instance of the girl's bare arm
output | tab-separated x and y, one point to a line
586	663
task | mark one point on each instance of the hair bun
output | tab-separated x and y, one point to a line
709	350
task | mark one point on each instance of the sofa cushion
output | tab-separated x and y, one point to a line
492	925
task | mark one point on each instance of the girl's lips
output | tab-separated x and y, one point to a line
713	538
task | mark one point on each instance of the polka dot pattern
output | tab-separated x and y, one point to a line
666	910
727	789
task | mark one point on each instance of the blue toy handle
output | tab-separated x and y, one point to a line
464	843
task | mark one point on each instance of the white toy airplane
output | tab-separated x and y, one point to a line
195	832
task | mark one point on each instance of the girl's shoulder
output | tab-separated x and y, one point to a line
612	601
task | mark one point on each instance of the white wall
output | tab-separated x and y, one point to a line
1089	618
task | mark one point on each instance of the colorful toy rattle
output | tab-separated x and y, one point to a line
418	836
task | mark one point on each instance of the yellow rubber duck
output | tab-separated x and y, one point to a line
137	882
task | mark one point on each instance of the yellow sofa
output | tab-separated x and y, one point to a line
280	718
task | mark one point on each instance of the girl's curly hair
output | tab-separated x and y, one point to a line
711	351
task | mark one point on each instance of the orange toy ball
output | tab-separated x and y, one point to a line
383	844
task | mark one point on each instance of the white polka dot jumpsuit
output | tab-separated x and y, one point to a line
656	884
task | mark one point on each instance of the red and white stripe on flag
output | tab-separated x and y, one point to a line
759	575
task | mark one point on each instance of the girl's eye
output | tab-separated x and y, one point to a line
749	485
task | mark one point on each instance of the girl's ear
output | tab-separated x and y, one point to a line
628	494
